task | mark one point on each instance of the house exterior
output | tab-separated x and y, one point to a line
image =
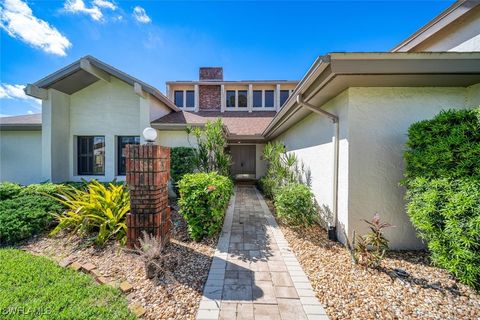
346	119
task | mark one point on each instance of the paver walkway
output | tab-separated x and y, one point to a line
254	274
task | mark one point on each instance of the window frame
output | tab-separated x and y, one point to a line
120	155
253	99
187	92
227	92
288	96
265	99
89	155
238	99
182	94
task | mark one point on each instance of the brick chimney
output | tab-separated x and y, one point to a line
211	73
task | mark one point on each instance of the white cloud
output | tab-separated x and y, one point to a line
78	6
15	91
17	19
105	4
141	15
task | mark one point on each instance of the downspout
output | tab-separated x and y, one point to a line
336	147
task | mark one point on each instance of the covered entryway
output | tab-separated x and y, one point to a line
243	161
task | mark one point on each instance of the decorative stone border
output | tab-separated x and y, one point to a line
310	303
212	292
90	268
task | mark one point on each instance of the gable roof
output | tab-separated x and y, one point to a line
23	122
239	124
445	18
74	77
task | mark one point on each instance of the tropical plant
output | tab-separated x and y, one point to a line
151	250
282	168
203	199
442	178
210	155
371	248
98	208
294	203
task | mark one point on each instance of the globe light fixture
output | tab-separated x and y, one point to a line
150	134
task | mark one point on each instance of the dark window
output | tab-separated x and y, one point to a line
230	99
269	98
284	96
242	98
257	98
190	103
179	98
122	144
91	155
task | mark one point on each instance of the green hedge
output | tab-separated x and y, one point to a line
203	199
26	211
182	161
442	178
295	204
47	291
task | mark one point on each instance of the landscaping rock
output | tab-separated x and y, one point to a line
87	267
103	280
126	287
137	309
75	266
96	273
65	263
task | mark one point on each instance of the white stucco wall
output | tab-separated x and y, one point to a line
21	156
260	164
312	141
109	109
378	122
462	35
175	138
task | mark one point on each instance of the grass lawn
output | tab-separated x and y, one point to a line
33	287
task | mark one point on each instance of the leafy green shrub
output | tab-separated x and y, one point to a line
24	216
294	203
442	178
41	189
182	161
210	155
203	199
99	208
9	190
282	168
34	287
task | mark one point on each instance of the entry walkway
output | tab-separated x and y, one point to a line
254	274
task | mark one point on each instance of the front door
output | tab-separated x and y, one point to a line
243	160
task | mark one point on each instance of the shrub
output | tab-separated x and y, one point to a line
203	199
371	248
9	190
24	216
282	168
41	189
446	212
182	161
442	178
33	287
210	155
294	203
99	208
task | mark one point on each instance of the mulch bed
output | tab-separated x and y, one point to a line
173	297
350	291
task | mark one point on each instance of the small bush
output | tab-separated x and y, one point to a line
99	208
24	216
9	190
203	199
295	204
442	178
182	161
446	212
371	248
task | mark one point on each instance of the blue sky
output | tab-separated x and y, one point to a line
157	41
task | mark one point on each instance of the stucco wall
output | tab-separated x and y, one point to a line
21	156
462	35
312	141
175	138
260	164
107	109
378	122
